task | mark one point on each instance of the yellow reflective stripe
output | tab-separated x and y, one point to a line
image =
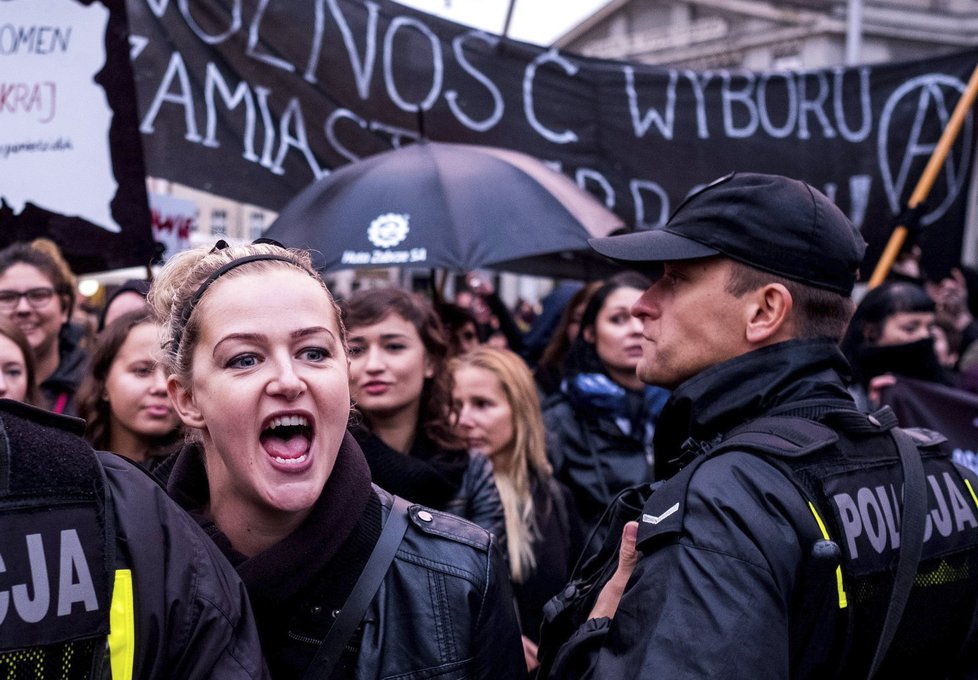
843	601
973	496
122	626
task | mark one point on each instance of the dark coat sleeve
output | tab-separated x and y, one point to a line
193	617
714	601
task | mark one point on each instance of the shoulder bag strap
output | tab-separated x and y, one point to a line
912	522
363	592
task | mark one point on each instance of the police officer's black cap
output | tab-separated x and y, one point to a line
769	222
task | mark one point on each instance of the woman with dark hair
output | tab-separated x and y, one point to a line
17	377
403	391
123	398
549	370
37	296
256	357
600	423
892	332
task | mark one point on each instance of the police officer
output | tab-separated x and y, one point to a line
774	548
101	575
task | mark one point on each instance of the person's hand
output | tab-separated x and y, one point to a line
530	654
607	603
951	299
877	384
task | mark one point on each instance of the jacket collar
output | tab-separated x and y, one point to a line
746	387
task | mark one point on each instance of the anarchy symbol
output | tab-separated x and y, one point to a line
935	95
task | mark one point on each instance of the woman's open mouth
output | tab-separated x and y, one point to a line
286	439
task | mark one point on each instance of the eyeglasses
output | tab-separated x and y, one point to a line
36	298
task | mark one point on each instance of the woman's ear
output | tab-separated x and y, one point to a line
588	334
183	401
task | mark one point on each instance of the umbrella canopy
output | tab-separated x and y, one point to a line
451	206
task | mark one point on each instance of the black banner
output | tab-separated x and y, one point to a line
254	99
950	411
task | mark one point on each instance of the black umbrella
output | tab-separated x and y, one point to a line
450	206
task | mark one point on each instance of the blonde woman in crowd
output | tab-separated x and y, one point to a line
498	416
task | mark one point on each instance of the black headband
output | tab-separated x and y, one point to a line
218	273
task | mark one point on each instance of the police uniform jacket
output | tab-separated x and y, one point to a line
122	582
726	584
444	608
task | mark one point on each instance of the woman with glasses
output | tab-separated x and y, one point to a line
37	296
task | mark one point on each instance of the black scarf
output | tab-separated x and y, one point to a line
427	474
911	360
337	535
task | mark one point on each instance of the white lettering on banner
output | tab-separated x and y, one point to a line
266	120
233	27
362	68
242	93
451	96
583	176
865	106
665	126
438	66
253	41
552	56
816	106
293	114
731	104
792	99
175	69
637	186
330	129
859	186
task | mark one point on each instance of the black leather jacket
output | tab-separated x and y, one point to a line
446	573
444	610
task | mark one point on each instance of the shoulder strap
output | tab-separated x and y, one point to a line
912	521
363	592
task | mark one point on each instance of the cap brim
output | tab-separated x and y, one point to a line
656	245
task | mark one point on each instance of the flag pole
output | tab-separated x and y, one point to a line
927	179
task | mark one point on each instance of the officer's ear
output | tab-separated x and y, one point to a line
769	315
184	403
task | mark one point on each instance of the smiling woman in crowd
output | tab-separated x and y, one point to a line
37	296
402	389
258	370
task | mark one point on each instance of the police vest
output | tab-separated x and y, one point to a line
66	611
846	465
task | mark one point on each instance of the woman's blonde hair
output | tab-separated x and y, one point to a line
528	459
185	279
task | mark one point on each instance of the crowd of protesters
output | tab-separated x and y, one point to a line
526	422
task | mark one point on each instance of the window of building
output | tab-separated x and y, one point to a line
219	222
256	224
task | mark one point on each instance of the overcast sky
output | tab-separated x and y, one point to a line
534	21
